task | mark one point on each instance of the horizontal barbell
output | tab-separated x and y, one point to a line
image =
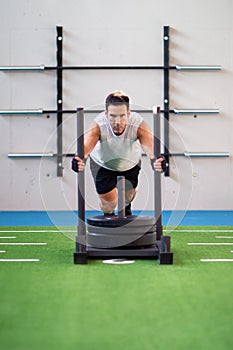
21	112
72	111
195	111
206	154
198	68
176	67
22	68
184	154
39	155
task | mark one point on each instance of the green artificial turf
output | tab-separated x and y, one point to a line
54	304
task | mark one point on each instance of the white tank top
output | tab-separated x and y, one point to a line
119	153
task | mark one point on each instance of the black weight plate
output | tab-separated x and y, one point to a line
147	239
109	241
115	221
113	241
122	230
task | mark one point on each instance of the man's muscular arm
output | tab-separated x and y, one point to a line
90	140
147	142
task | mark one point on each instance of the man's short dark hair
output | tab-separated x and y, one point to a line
116	98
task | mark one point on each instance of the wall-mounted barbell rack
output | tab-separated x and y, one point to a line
59	111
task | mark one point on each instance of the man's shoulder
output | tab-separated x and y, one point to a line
101	118
135	118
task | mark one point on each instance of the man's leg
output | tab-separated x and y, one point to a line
105	183
106	180
108	201
130	195
131	182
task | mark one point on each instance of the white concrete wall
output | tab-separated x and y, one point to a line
124	32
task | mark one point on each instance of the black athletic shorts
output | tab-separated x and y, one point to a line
106	180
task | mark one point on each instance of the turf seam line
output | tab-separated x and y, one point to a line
229	237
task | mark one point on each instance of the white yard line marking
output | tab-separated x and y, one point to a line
35	231
22	243
224	237
210	243
216	260
206	230
7	237
118	261
18	260
2	251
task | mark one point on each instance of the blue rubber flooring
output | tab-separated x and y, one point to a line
69	218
